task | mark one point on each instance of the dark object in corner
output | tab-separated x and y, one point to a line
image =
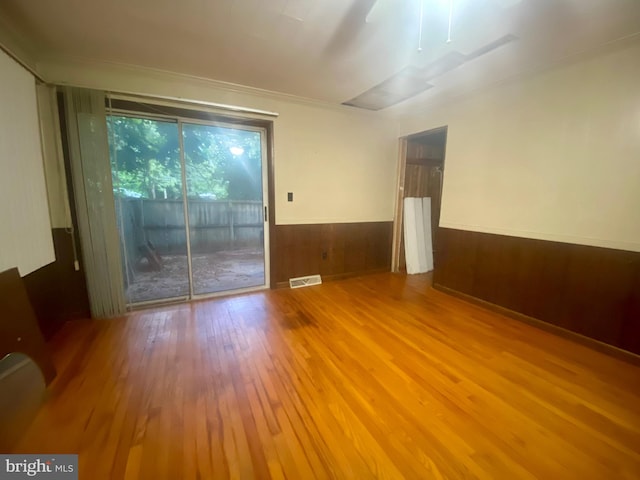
57	291
19	331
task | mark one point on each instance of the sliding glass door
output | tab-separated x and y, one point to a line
147	182
225	204
190	204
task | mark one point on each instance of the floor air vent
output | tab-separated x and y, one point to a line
305	281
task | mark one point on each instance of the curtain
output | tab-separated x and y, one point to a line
95	207
53	157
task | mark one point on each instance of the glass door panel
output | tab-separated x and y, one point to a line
147	184
224	180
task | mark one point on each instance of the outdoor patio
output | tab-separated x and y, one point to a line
213	272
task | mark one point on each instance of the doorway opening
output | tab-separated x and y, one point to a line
420	174
191	196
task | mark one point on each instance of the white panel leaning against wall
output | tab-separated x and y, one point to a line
26	241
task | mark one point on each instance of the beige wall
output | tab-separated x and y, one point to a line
555	156
340	164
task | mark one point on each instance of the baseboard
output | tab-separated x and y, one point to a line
339	276
592	291
542	325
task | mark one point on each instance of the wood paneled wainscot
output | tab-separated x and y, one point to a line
592	291
333	250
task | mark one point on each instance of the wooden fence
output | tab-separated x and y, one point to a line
214	225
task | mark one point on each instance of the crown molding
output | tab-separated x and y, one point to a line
18	47
50	64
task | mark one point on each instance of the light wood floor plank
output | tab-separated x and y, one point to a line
375	377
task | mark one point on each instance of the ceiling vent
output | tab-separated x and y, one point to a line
412	80
405	84
491	46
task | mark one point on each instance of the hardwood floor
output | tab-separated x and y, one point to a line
374	377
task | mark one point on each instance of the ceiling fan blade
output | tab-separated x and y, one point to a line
379	10
350	27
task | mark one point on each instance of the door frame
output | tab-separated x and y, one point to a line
399	212
398	219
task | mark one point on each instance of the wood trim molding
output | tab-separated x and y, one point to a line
399	212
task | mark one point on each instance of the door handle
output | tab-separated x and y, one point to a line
266	215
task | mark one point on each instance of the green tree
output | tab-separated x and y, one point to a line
145	159
213	169
205	162
221	163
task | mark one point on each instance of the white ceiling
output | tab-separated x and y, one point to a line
321	49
